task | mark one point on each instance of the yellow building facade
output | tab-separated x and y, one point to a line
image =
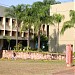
69	35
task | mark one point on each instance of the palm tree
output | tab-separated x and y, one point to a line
57	19
28	21
70	23
49	20
40	15
38	10
16	12
50	2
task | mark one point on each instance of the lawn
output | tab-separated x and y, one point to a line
31	67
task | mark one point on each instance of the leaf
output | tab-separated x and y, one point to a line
66	25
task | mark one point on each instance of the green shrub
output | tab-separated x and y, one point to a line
19	47
74	54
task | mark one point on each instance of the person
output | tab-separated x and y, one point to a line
13	55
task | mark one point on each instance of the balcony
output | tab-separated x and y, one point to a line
7	24
26	35
7	33
14	33
1	23
19	34
1	26
13	24
1	32
13	27
19	28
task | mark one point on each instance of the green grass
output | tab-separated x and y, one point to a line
31	67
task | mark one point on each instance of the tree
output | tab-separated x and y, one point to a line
43	41
48	17
28	20
57	19
50	2
70	23
16	12
39	12
40	17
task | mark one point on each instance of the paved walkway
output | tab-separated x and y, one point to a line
69	71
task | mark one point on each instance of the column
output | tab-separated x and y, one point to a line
4	25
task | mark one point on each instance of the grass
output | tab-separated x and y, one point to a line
31	67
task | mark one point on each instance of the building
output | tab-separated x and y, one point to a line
8	29
8	32
69	35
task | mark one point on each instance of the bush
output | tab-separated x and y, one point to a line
74	54
19	47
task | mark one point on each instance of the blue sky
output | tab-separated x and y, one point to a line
16	2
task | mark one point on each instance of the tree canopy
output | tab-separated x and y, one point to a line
50	2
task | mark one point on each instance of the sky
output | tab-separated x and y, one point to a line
16	2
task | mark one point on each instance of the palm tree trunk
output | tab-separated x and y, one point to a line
49	48
16	34
58	39
16	37
9	45
39	39
28	41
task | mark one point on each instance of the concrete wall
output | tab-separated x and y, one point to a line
31	55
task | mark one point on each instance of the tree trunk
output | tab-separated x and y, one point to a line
39	39
16	35
9	46
49	48
28	41
58	39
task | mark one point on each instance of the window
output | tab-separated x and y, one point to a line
0	18
7	20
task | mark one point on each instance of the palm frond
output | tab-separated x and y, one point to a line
58	18
66	25
72	15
